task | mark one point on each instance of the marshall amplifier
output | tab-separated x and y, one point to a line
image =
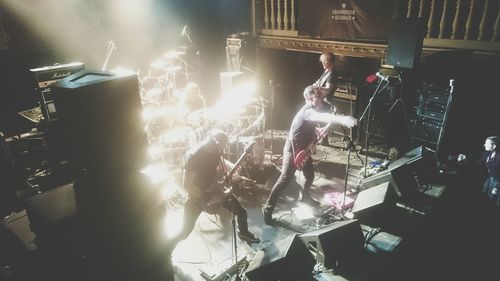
44	77
345	90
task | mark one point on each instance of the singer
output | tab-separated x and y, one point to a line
301	139
204	170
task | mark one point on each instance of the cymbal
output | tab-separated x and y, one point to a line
173	54
165	66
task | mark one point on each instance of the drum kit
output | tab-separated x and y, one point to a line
170	127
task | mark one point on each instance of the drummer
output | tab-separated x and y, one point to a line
190	98
191	106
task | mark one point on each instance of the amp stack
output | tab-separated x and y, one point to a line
432	109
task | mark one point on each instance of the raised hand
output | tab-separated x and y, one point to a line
348	121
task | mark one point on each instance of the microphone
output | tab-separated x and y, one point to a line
382	77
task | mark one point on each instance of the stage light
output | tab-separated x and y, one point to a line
173	222
157	172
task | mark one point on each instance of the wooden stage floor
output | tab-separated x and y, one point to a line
453	239
208	252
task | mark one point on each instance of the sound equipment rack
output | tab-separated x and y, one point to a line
432	107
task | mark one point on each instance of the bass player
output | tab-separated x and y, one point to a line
303	135
203	163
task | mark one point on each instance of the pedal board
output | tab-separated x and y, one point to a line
225	268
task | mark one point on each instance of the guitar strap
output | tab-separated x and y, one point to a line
293	148
223	167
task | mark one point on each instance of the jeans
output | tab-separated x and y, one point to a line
195	205
287	173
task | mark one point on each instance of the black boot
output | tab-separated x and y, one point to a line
268	216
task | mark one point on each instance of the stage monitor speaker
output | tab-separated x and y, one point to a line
287	259
338	245
373	206
100	115
405	42
403	179
407	174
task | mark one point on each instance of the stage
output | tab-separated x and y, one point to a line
389	238
208	252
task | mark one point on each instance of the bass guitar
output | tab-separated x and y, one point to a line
221	186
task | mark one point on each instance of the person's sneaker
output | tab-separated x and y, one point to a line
268	217
248	237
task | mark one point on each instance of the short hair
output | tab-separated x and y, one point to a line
493	139
328	56
218	136
311	90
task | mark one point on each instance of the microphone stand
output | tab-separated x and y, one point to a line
271	87
111	48
350	146
368	110
227	183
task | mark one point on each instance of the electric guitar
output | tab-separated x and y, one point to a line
300	157
221	186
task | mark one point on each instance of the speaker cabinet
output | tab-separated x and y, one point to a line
406	174
343	107
405	42
338	245
287	259
373	206
100	118
402	179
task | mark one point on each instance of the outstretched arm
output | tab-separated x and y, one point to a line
324	117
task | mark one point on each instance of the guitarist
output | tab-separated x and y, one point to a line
302	136
203	163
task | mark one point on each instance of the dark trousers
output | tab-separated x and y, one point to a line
287	173
195	205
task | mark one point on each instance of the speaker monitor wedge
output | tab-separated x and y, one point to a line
338	245
375	205
406	173
405	42
287	259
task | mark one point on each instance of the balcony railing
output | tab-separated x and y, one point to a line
472	25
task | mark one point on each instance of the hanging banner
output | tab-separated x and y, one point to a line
357	20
